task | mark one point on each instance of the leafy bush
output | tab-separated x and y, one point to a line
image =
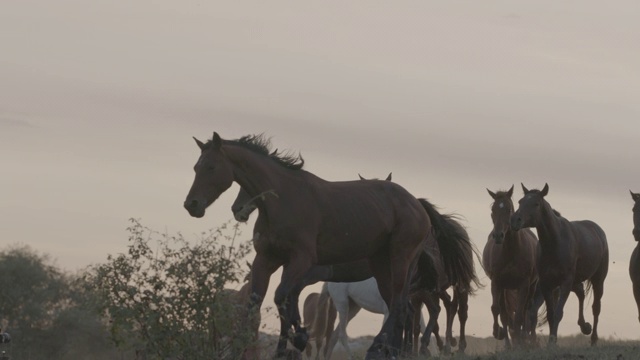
164	297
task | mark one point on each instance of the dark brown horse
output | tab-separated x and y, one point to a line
316	222
509	260
634	263
569	253
359	270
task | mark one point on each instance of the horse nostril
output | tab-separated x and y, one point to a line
190	204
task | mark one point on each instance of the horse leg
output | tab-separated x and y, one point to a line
300	337
597	283
558	311
519	327
585	327
446	301
451	310
342	303
531	312
463	315
505	318
292	275
433	307
389	340
261	270
496	294
332	314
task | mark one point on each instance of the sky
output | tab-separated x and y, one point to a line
99	101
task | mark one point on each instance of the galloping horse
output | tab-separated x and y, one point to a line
358	270
509	259
569	253
316	222
634	263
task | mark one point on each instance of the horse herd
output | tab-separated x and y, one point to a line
375	231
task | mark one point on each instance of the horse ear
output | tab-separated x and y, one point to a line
388	177
493	195
510	192
545	190
360	176
216	140
524	188
200	144
635	196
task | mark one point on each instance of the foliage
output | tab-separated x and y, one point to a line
162	296
43	311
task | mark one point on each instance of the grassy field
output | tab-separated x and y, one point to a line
568	348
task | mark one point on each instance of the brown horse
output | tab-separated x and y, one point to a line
569	253
316	222
634	264
447	261
358	270
509	260
320	316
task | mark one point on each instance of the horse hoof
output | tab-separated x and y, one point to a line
454	342
300	340
500	334
447	349
586	328
424	351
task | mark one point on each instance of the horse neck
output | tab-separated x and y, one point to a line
548	226
256	173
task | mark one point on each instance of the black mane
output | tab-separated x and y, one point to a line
260	144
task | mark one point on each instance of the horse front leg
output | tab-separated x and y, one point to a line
585	327
292	275
496	295
261	270
558	309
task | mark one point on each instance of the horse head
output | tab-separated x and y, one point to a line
501	212
530	208
214	175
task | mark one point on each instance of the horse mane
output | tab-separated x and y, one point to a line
260	144
555	212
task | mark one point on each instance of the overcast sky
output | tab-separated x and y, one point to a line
99	100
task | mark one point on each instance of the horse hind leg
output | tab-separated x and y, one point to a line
463	315
585	327
597	283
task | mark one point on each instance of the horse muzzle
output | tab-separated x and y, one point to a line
195	208
516	223
636	234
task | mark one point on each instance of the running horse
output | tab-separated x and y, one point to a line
569	254
634	263
316	222
509	260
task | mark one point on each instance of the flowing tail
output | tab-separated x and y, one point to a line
456	248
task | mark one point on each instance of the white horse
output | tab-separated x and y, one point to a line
348	299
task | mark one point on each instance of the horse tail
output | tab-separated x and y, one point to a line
456	248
